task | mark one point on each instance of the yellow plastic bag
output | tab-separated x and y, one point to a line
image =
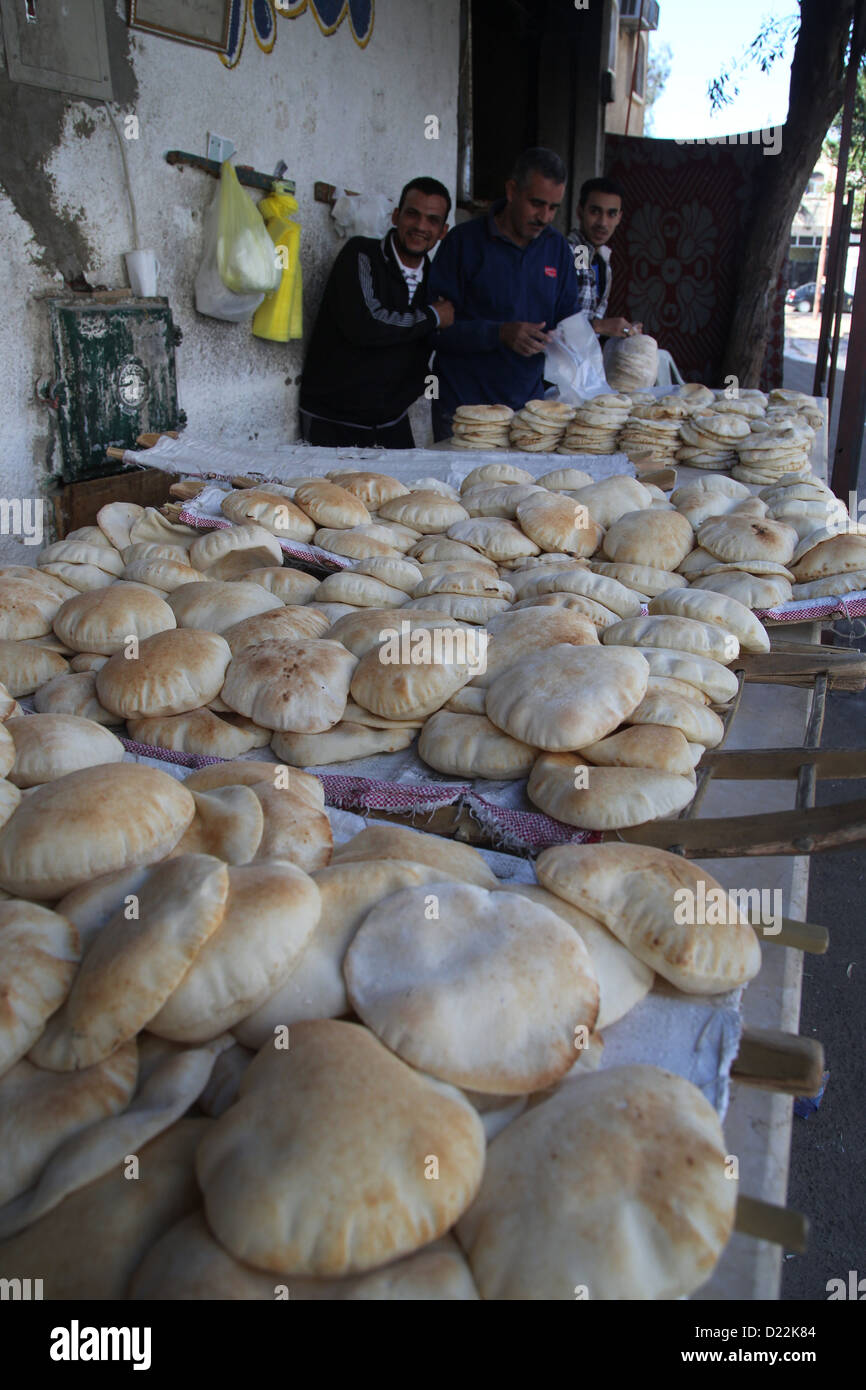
245	253
280	316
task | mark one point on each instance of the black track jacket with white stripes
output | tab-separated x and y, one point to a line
370	348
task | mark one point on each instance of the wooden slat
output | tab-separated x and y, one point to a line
801	936
845	670
783	764
774	832
780	1225
777	1061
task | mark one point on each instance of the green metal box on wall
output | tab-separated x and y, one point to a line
115	378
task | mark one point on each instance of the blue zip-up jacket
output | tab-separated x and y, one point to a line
491	281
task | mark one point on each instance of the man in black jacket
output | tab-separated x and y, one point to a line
371	345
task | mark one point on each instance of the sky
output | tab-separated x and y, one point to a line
705	37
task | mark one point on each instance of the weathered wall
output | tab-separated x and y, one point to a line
331	110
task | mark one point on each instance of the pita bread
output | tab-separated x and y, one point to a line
468	745
90	823
709	607
611	498
90	1244
642	745
434	548
642	895
360	543
172	672
73	551
695	720
264	1199
296	826
394	688
494	537
854	581
103	619
649	536
470	609
644	579
48	746
559	524
606	797
370	488
289	585
39	1110
270	914
293	623
736	538
272	510
515	635
708	676
303	785
24	666
75	694
397	573
218	604
161	575
755	591
566	697
153	526
301	687
834	555
198	731
424	512
385	842
330	505
498	499
116	519
345	742
316	988
361	590
499	1017
229	553
623	980
683	634
616	1184
180	905
39	952
607	592
496	473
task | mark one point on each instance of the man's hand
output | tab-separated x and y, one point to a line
526	339
616	328
445	310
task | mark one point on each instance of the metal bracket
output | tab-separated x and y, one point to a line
246	175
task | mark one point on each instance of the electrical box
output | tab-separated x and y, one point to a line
58	44
115	378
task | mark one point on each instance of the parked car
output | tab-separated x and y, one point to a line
803	297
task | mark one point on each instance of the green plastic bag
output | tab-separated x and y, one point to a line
246	259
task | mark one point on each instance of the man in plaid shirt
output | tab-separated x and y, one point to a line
599	211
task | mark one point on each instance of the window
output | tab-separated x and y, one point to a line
640	69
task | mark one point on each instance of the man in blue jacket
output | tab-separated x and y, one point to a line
510	277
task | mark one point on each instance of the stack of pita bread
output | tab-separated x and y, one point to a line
709	438
775	446
631	364
539	428
651	433
596	425
481	426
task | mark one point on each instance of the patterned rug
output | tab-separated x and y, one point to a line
675	258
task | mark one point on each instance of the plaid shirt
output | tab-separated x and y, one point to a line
589	265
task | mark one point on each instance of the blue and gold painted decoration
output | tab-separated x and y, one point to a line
262	18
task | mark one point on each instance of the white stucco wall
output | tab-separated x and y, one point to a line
333	111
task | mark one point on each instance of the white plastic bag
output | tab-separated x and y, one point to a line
573	361
362	214
211	296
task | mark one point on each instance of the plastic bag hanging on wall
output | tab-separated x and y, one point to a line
245	253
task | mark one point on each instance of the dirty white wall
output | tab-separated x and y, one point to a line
332	110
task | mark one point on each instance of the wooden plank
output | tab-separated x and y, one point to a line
775	832
76	504
783	764
845	670
777	1061
764	1221
801	936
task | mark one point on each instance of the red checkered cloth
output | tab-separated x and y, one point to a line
510	829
